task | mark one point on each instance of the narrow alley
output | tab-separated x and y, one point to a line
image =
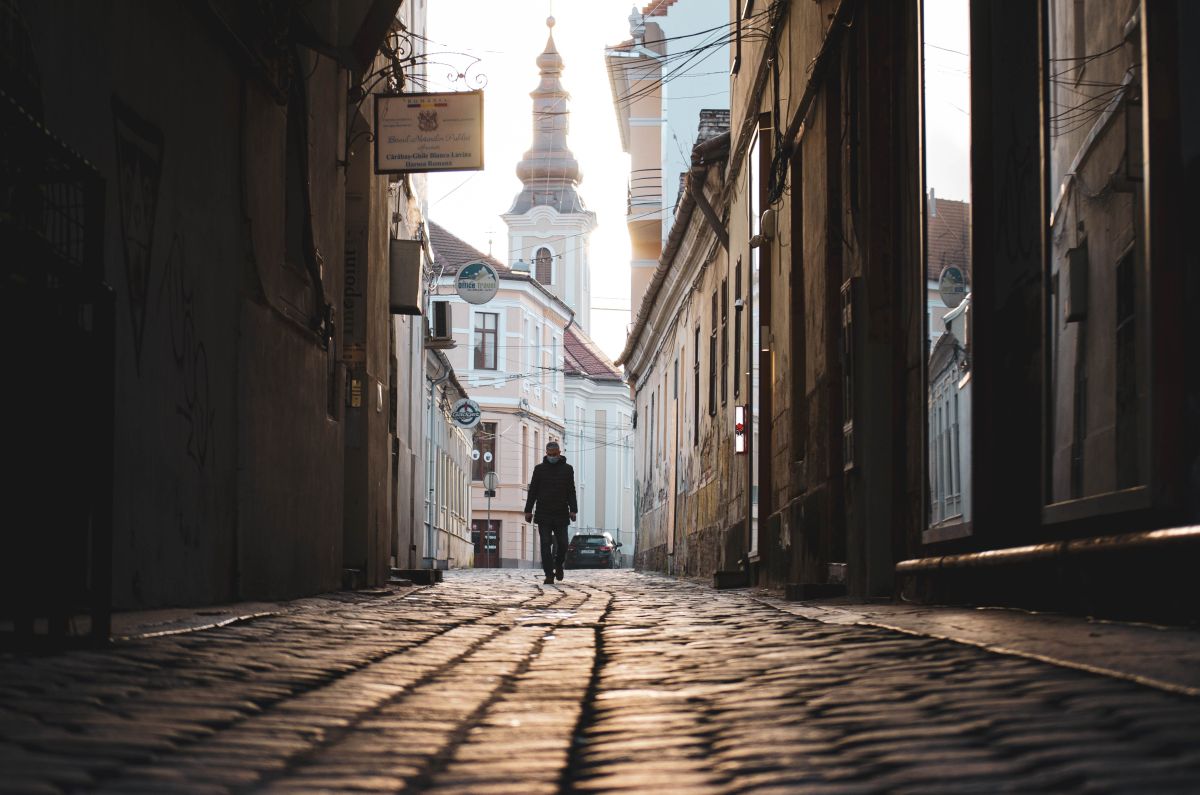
607	682
857	368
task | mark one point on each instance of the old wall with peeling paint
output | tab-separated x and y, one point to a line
230	418
689	482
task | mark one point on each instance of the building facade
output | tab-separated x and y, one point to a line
672	68
1075	426
598	426
508	354
526	356
248	436
678	359
446	542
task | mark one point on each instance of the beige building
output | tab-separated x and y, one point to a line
664	78
446	542
683	347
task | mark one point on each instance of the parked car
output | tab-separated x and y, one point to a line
593	551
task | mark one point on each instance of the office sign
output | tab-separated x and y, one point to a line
428	132
952	285
477	282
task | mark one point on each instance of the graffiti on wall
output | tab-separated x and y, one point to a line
139	150
139	146
189	355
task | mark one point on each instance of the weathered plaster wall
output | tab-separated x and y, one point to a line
226	461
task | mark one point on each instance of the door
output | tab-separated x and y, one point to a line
487	543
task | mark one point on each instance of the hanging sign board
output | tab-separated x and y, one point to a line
477	282
466	414
952	285
428	132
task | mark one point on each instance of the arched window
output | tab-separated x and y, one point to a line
542	265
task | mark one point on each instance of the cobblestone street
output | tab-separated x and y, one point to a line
609	681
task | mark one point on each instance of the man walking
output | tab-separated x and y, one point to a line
552	490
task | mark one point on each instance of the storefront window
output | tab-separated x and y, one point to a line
1096	417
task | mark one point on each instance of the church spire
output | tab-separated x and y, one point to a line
549	171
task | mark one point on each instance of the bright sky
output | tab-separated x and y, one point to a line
507	37
947	98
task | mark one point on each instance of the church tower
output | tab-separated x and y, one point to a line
548	225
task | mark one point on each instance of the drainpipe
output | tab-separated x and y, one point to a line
430	465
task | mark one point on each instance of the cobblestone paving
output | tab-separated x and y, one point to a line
608	682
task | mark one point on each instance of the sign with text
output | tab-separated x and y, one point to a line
952	285
466	414
429	132
477	282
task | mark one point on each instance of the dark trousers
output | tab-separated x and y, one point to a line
554	544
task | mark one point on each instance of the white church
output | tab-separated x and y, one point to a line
526	357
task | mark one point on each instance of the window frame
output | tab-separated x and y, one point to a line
480	335
536	266
712	357
484	440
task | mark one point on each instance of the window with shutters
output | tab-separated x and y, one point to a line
485	445
543	263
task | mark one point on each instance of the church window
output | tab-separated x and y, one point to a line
543	265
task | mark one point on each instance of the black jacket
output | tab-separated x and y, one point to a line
552	488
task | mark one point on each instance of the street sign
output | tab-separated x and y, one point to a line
952	285
466	413
428	132
491	481
477	282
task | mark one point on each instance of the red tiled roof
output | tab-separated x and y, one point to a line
657	8
581	356
949	237
450	252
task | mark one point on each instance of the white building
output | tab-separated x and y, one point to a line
508	354
549	228
526	358
447	471
948	246
950	420
599	431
